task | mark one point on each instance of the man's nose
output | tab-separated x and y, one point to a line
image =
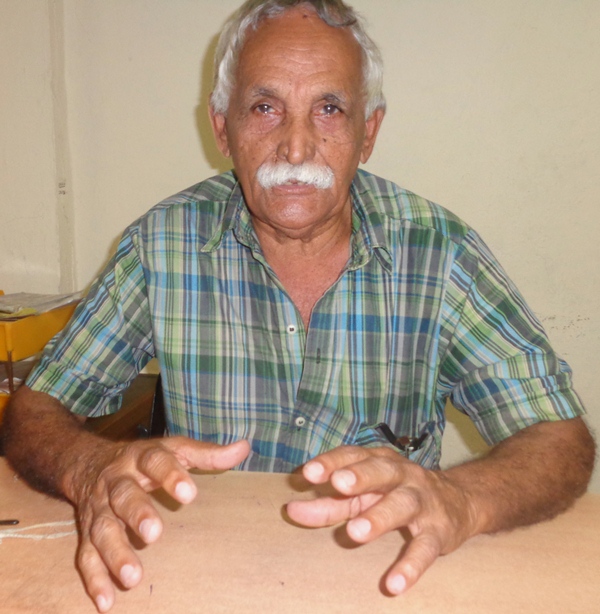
297	142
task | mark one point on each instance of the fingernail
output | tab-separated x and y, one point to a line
102	603
184	492
344	479
129	575
149	530
396	584
359	528
313	470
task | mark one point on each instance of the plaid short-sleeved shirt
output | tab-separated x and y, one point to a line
423	312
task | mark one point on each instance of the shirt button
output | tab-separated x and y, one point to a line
291	329
300	421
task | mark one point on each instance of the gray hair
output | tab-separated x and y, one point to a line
334	13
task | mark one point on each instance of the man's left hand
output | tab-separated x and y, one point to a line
382	491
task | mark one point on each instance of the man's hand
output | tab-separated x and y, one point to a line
531	476
107	482
111	494
382	491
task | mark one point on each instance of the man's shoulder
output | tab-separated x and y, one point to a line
198	209
399	206
212	191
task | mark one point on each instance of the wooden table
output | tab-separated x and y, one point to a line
233	550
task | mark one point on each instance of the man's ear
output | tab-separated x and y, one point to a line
372	126
219	126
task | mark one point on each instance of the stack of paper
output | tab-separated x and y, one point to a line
23	304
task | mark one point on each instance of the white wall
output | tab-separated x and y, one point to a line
35	214
493	112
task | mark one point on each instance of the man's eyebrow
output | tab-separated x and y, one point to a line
262	92
336	98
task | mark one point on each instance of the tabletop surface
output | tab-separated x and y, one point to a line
233	549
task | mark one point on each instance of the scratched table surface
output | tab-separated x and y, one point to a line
233	549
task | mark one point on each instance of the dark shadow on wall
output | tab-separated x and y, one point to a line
206	138
203	126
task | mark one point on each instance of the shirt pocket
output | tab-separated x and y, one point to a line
420	445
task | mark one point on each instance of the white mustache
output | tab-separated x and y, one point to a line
271	174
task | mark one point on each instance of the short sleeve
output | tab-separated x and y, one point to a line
498	366
107	342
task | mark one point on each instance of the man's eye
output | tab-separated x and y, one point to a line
330	109
264	108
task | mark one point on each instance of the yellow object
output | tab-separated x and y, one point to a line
20	339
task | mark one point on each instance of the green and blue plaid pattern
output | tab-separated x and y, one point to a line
422	313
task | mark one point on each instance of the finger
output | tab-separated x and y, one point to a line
133	506
319	469
105	552
375	473
322	512
207	456
158	467
166	464
95	576
397	509
325	466
421	553
327	511
168	468
107	535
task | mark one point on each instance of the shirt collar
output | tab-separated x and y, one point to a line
368	236
236	218
367	228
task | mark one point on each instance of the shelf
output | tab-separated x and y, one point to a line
26	337
22	338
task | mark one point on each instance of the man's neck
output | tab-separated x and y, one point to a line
307	263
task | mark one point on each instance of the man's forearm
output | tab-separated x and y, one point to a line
532	476
45	443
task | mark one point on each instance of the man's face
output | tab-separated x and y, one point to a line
297	99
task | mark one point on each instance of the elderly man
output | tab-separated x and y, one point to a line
304	313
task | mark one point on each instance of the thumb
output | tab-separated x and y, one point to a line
207	456
420	554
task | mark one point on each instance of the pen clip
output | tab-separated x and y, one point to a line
403	443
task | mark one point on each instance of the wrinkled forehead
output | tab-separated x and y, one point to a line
297	41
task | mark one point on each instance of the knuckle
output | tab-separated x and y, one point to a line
103	525
391	463
407	502
120	492
423	552
385	518
87	556
351	454
387	453
355	507
430	546
154	457
383	470
445	525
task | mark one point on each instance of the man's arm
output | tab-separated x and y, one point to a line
531	476
107	482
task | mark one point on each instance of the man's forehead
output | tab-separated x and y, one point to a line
298	28
298	39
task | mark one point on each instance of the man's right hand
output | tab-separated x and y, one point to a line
107	482
112	495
